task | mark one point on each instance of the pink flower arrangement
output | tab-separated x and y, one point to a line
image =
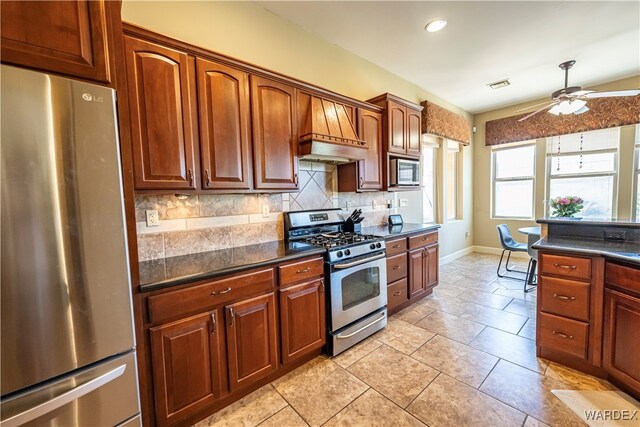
566	206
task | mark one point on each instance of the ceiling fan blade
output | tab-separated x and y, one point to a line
582	92
537	111
531	106
631	92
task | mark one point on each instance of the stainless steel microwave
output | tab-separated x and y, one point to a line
403	172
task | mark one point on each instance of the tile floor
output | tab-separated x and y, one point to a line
464	356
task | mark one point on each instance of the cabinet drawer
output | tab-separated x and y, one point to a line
396	246
396	267
562	334
299	271
202	297
423	240
564	297
565	266
623	277
397	293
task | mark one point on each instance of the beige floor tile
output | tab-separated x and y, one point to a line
462	330
403	336
457	360
447	304
449	277
485	298
511	284
285	418
516	349
414	313
320	392
447	402
523	308
248	411
474	282
397	376
517	293
532	422
529	329
576	380
374	410
530	393
357	352
446	289
495	318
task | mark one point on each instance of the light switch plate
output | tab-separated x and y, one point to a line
153	220
265	211
404	203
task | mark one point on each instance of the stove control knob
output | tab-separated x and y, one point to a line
339	254
378	245
372	246
347	252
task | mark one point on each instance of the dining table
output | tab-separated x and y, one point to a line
533	235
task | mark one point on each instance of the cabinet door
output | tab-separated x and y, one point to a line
225	146
66	37
370	169
302	319
417	272
414	132
432	265
188	366
163	115
397	127
251	340
621	344
275	159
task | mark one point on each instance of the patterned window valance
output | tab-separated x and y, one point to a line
603	113
437	120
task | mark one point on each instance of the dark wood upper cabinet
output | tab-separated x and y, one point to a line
414	132
189	369
162	104
225	145
252	341
65	37
302	319
273	111
397	128
402	125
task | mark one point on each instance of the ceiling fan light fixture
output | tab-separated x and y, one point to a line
435	25
555	110
582	110
565	107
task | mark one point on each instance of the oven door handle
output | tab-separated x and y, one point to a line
380	319
362	261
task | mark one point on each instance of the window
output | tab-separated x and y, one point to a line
585	165
636	178
452	168
429	159
514	181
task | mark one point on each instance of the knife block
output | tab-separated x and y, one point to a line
350	227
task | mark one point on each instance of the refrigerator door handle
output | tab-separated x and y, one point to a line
61	400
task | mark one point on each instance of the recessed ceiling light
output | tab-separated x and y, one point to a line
499	84
436	25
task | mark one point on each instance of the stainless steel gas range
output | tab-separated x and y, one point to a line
355	269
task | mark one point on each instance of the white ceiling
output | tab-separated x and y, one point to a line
482	43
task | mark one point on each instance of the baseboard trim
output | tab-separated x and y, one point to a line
498	251
454	256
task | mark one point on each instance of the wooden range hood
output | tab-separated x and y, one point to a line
327	132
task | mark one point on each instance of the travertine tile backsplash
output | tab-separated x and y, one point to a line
202	223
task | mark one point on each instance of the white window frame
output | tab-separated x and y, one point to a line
495	179
458	178
552	156
635	214
429	142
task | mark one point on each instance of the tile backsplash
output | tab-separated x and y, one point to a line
202	223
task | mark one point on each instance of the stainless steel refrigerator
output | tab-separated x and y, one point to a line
68	349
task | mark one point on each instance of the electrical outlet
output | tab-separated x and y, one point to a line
153	220
404	203
349	206
374	205
265	211
467	234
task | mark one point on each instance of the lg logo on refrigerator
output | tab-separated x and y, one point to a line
88	97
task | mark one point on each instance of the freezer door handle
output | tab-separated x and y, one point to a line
61	400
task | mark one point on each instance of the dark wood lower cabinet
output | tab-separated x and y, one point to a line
188	368
621	346
302	319
432	265
252	342
417	276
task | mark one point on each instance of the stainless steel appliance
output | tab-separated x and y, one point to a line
356	271
67	354
404	172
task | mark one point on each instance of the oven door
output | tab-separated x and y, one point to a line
357	288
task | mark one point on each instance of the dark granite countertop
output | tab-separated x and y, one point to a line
582	221
396	231
167	272
623	251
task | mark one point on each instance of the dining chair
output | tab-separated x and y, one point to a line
509	245
533	262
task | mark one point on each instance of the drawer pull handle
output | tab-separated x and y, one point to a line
566	267
322	286
425	238
564	297
213	323
397	293
232	317
396	246
395	267
563	335
304	270
225	291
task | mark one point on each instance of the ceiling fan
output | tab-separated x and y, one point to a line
572	99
